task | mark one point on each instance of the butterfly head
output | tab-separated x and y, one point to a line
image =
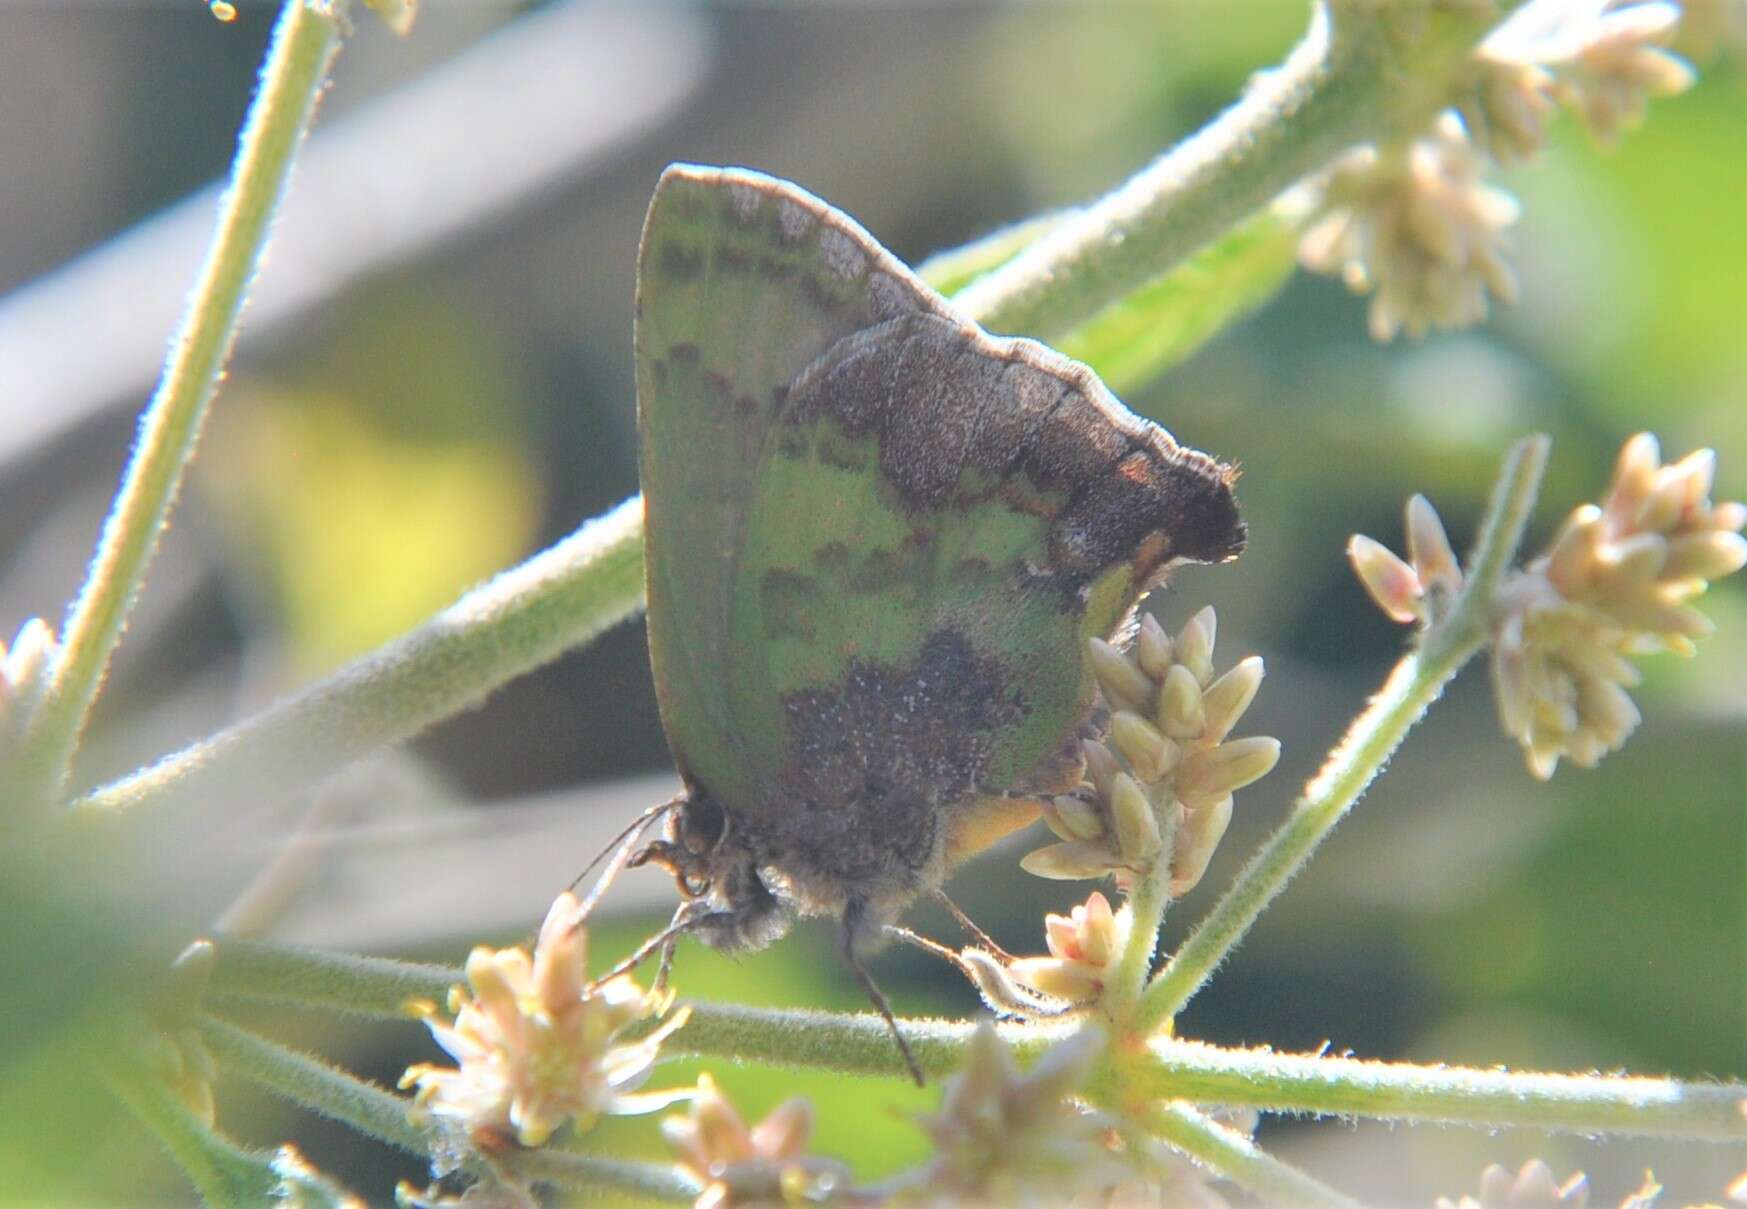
739	912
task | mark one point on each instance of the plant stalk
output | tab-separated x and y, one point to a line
526	617
1361	76
304	43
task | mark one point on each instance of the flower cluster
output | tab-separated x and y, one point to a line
1082	944
1533	1187
537	1044
1168	755
1006	1138
1416	227
766	1164
1415	224
1617	581
1602	63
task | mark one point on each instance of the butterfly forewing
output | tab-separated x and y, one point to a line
742	282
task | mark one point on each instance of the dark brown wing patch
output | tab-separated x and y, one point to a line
943	398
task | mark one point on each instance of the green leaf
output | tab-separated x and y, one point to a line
1158	326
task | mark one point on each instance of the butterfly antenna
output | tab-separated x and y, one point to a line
877	997
621	847
983	939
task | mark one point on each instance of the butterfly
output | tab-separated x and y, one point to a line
877	540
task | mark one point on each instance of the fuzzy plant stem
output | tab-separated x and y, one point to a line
524	618
1360	73
1146	905
304	42
314	1084
1234	1156
1165	1069
296	976
1587	1104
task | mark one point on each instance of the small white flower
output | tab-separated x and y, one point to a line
536	1045
1082	944
740	1167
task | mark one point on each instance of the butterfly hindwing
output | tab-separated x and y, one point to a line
941	520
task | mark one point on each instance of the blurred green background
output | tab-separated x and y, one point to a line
436	382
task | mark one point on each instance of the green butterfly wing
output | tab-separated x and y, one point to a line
877	537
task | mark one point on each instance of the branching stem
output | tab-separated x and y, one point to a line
1416	682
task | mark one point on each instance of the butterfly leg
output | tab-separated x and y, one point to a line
972	929
691	913
1002	995
852	923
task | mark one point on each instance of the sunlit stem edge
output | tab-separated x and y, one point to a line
1588	1104
522	619
346	983
1361	76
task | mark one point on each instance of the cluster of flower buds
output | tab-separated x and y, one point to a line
1534	1187
1008	1138
537	1044
1603	63
1617	581
1082	945
1415	224
766	1164
1422	587
1168	767
24	671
